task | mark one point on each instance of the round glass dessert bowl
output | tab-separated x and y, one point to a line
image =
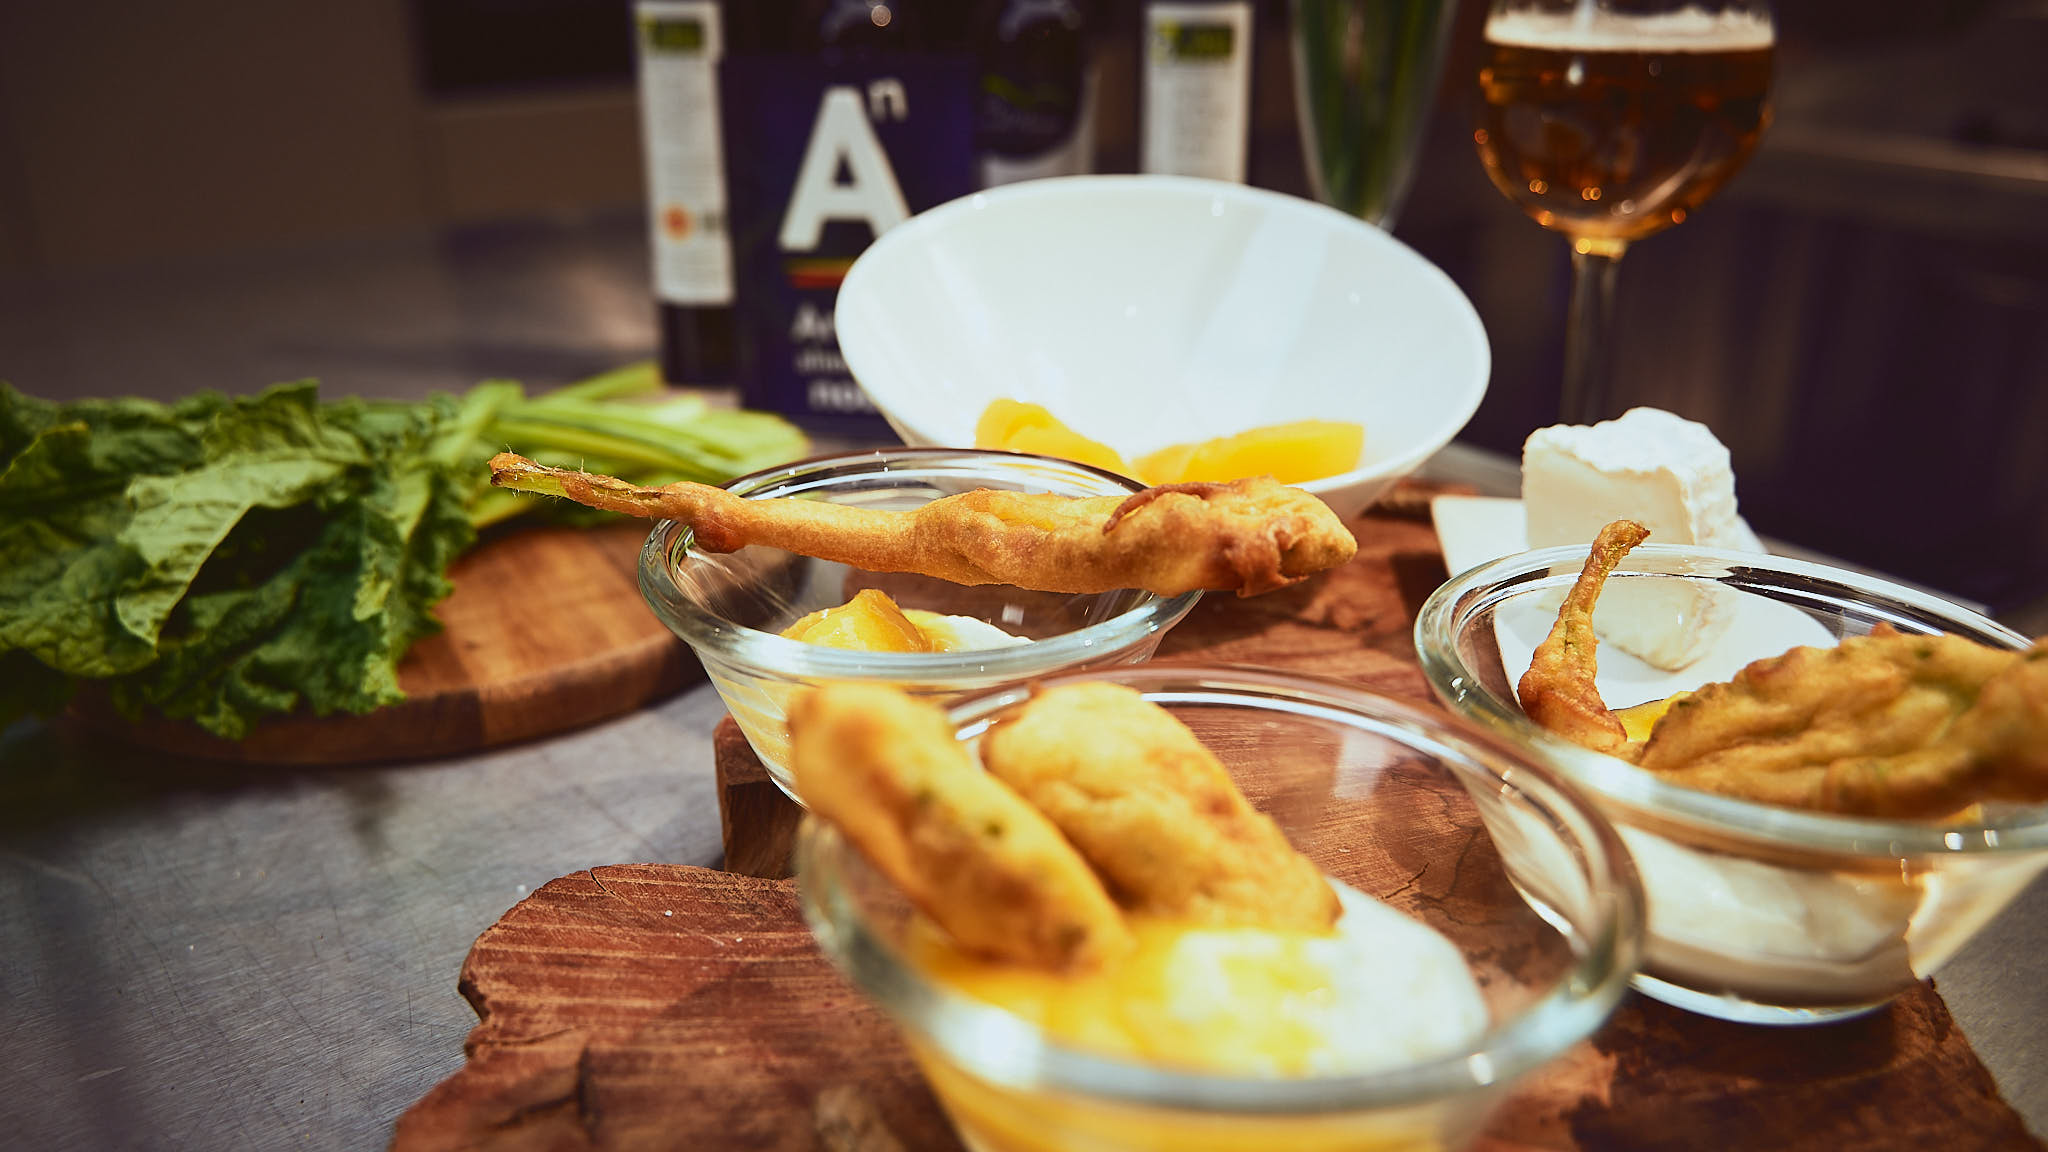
1423	820
1757	913
731	607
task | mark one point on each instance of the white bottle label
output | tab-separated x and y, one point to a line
1197	89
680	42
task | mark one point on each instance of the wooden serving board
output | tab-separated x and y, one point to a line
655	1006
545	631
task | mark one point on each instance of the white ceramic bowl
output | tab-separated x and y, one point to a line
1149	310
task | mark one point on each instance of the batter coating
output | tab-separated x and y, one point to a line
1155	812
1246	536
1887	725
1558	690
984	865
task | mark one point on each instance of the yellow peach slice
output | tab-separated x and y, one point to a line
1290	453
1018	427
870	622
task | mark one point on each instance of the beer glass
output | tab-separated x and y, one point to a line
1365	72
1610	120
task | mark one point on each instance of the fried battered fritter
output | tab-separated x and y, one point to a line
1247	536
981	863
1154	811
1558	690
1887	725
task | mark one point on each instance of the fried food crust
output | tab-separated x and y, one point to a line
1558	691
1246	536
1154	811
1886	725
980	862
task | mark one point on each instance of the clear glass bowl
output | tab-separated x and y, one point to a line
730	608
1399	801
1758	913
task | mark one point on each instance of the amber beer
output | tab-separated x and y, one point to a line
1613	128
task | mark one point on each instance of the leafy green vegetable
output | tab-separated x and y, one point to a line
223	559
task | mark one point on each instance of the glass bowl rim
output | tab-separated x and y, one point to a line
1569	1010
716	638
1610	779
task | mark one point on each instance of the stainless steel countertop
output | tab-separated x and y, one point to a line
217	957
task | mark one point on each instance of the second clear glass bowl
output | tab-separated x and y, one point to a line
1758	913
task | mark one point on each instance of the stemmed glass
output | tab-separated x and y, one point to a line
1610	120
1365	72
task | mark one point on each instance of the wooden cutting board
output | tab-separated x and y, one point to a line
545	631
654	1006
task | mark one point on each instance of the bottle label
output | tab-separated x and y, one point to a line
1197	89
680	43
829	154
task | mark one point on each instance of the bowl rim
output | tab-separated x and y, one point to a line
713	637
1640	791
996	1046
853	339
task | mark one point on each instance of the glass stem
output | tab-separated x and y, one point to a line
1589	335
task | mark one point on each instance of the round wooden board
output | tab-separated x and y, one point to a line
545	631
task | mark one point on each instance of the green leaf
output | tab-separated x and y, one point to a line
323	633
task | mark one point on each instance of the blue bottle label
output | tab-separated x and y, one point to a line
823	156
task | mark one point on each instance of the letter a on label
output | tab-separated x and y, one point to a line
842	136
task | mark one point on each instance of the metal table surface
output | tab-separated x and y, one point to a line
206	956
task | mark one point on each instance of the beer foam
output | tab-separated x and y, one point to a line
1586	29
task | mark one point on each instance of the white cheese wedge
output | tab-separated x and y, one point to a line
1666	473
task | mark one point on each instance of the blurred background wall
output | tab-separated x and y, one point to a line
1862	315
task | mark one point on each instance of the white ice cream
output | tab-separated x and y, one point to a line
961	633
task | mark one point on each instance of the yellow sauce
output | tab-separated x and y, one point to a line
1131	1010
1383	991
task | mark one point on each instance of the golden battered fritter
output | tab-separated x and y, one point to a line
1884	725
981	863
1246	536
1887	725
1558	691
1154	811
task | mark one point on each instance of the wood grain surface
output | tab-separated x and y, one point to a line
545	631
664	1006
651	1006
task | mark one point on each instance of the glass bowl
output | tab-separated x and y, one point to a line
730	608
1758	913
1401	802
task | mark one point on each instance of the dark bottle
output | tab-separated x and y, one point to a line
678	46
844	118
1035	112
1195	87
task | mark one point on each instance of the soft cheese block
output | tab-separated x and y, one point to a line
1668	474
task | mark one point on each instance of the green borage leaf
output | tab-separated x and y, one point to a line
224	559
